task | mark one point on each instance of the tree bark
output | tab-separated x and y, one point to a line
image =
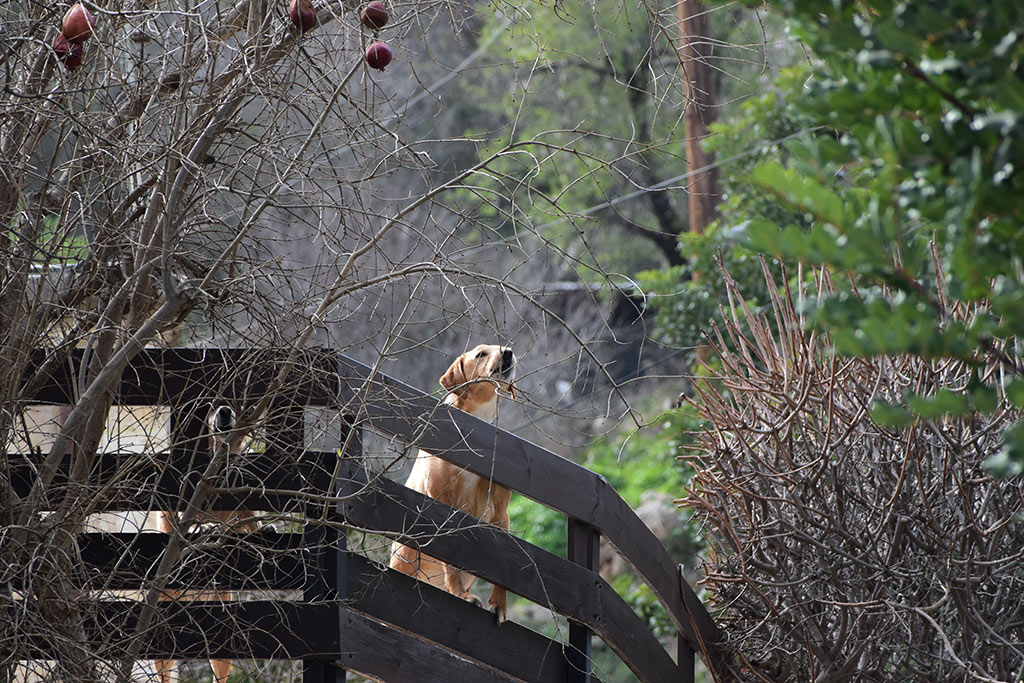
695	51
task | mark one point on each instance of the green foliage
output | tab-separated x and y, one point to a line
53	244
912	186
539	525
645	461
634	465
572	91
641	598
761	128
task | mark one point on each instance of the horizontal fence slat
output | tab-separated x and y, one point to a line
178	376
388	405
257	629
262	560
376	650
491	553
266	560
154	481
456	624
277	630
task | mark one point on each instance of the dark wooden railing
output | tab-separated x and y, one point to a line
353	614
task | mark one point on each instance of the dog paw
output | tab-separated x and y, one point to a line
500	612
475	600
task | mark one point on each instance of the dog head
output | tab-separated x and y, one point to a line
221	423
475	379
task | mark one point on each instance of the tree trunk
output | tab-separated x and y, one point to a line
695	51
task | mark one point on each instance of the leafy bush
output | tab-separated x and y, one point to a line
913	179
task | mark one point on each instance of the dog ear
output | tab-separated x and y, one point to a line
455	379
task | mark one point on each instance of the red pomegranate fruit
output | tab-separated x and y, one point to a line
378	55
303	14
374	16
70	54
78	24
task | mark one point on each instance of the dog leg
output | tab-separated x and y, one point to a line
499	603
163	668
499	596
221	669
458	582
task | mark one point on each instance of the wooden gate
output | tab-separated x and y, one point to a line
334	609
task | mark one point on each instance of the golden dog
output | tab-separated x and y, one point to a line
222	436
475	382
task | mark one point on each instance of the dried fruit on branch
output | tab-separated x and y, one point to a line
70	54
302	14
78	24
378	55
375	16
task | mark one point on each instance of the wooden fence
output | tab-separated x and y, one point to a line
332	608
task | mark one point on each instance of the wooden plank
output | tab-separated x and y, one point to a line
495	555
262	560
281	630
378	651
327	562
130	481
686	660
453	623
176	376
258	629
391	406
266	560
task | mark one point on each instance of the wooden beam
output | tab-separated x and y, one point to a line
455	624
270	561
493	554
326	631
386	404
378	651
178	376
155	481
258	629
583	548
263	560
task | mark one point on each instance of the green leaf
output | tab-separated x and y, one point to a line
801	192
1009	461
891	414
1015	392
984	398
945	402
758	234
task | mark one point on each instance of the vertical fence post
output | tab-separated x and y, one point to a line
286	435
352	451
685	659
686	656
584	542
187	440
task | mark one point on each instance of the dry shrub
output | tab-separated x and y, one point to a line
842	549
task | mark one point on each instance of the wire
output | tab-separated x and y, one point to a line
459	68
689	174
